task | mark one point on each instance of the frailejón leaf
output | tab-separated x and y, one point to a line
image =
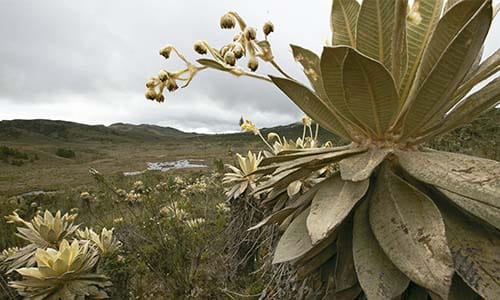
331	205
374	31
449	55
312	68
410	230
295	241
345	273
421	21
484	211
343	22
377	275
469	176
311	105
476	252
370	92
359	167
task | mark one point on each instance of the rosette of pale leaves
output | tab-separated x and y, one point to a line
242	178
66	273
105	241
398	219
41	232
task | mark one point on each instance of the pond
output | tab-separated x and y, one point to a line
170	165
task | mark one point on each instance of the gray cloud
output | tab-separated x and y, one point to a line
88	62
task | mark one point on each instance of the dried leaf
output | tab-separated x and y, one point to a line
469	176
484	211
377	275
410	230
475	250
360	167
345	274
295	241
332	204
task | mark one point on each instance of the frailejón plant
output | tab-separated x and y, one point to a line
396	212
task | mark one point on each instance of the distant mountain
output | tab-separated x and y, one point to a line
36	131
48	130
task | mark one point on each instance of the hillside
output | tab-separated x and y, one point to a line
62	131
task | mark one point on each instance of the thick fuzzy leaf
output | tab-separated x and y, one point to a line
469	176
280	158
318	161
316	262
370	92
283	179
486	69
311	105
343	22
316	250
279	216
375	29
377	275
312	68
469	109
454	46
484	211
332	204
410	230
422	19
332	62
295	241
399	47
360	167
345	273
476	252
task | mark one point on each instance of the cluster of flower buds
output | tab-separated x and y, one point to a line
245	42
168	80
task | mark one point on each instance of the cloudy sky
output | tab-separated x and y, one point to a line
88	61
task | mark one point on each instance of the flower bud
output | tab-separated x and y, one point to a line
253	63
227	21
150	94
165	51
171	85
268	28
160	98
224	49
230	58
150	83
238	51
163	75
250	33
200	47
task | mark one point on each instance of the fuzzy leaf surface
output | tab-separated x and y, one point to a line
295	241
343	22
360	167
331	205
377	275
476	252
469	176
410	230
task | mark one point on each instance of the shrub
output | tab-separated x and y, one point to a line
66	153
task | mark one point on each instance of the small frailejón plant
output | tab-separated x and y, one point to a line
397	216
52	267
63	273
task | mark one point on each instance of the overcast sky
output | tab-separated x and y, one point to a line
87	61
